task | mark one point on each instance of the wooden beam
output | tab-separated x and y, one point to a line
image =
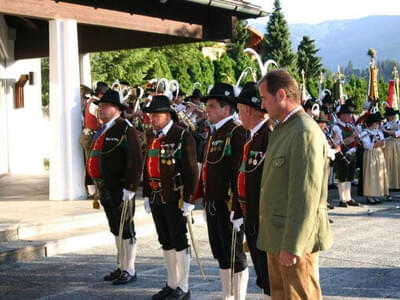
49	9
32	43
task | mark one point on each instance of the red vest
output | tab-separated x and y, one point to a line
93	165
153	164
241	183
90	120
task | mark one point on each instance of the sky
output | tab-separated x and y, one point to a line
316	11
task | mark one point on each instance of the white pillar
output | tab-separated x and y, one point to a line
66	158
84	64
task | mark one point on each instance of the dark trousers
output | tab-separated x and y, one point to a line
170	224
111	200
258	257
344	170
220	229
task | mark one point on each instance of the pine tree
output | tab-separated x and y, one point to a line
307	59
224	70
235	50
277	44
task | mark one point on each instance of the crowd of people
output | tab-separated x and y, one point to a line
258	159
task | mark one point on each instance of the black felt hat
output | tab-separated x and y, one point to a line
345	109
350	104
196	94
327	99
389	111
221	91
112	97
160	103
373	118
249	96
101	88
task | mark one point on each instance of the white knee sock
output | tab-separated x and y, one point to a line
183	265
342	191
225	275
170	264
240	281
118	245
128	256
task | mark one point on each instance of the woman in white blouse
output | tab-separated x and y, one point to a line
375	180
391	130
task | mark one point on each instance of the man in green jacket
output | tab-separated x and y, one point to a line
294	224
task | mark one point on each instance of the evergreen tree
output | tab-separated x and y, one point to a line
307	59
277	44
45	71
235	50
130	65
356	89
224	70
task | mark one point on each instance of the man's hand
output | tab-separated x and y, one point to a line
236	223
127	195
147	205
287	259
187	208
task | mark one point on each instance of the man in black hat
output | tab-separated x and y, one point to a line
169	181
115	165
345	134
253	119
91	124
218	184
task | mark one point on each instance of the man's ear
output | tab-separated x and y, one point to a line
280	94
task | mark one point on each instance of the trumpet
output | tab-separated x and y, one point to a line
186	120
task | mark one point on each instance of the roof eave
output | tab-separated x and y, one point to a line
244	9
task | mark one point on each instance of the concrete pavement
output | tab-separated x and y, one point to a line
364	263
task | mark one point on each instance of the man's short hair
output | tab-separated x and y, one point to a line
281	79
222	103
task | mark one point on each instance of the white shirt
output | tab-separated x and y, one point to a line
366	140
222	122
291	113
110	123
165	129
257	127
393	125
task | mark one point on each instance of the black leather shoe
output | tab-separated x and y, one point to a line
125	277
353	202
178	294
377	200
113	275
389	198
330	221
370	201
330	206
342	204
163	294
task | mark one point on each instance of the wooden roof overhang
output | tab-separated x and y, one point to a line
123	24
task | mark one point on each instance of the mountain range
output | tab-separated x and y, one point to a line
341	41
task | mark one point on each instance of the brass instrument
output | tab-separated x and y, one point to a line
186	120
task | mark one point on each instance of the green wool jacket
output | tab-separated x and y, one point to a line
293	198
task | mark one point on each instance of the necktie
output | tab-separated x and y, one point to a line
212	129
98	133
159	133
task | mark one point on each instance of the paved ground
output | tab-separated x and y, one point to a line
364	263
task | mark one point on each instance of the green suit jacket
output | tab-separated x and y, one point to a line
293	199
